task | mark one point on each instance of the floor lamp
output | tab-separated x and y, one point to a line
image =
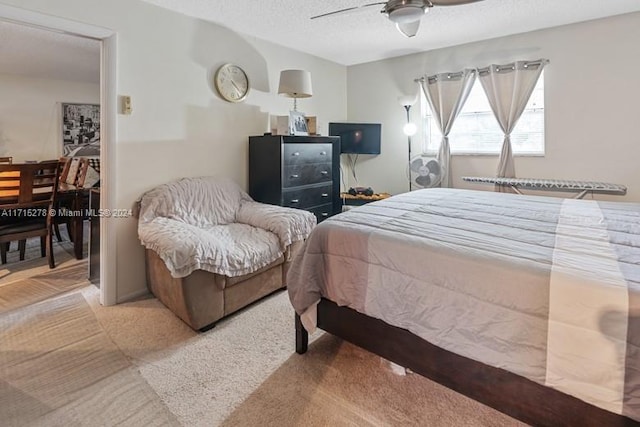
409	128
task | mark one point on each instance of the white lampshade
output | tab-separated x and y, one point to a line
295	84
407	100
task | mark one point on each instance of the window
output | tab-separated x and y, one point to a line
476	130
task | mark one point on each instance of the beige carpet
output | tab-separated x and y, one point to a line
34	263
59	367
244	372
337	383
41	286
67	360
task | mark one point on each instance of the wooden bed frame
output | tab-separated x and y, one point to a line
512	394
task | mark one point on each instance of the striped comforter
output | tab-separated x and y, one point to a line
546	288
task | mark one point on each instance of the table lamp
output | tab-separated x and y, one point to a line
295	84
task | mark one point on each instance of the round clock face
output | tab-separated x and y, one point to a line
232	83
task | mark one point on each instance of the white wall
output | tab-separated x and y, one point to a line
30	114
179	126
591	101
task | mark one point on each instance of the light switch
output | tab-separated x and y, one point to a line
126	104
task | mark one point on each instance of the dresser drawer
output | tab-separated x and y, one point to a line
307	197
295	154
304	174
322	212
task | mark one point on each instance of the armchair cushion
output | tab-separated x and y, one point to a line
230	250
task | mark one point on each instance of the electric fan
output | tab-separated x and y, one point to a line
425	171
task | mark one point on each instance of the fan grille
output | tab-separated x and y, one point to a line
425	172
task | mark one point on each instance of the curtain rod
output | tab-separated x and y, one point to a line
456	75
449	76
482	70
512	65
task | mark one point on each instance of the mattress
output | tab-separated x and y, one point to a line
546	288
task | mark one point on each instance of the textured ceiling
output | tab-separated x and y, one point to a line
39	53
360	36
366	35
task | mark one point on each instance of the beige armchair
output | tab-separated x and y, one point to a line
211	250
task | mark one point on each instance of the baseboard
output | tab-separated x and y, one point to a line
133	296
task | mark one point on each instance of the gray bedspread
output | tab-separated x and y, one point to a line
547	288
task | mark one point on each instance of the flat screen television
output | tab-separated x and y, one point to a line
357	138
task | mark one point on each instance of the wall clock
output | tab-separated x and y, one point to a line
232	83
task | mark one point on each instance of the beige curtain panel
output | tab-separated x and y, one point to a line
446	94
508	88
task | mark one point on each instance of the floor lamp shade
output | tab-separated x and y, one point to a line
295	84
407	100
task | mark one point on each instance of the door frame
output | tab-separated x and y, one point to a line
108	126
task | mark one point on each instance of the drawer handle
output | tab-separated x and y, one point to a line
295	201
325	214
325	194
295	176
324	173
296	153
323	153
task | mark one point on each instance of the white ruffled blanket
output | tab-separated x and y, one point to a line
210	224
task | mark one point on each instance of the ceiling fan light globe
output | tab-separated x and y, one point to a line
410	29
406	14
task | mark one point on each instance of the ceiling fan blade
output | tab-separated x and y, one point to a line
336	12
409	29
450	2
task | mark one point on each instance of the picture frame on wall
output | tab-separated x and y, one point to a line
297	123
80	130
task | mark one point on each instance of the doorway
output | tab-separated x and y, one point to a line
107	100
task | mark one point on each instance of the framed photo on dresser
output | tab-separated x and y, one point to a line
297	124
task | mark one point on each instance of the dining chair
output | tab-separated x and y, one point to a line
27	198
73	171
6	160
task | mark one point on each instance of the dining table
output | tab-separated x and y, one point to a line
76	208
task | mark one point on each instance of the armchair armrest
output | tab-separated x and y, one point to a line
175	242
289	224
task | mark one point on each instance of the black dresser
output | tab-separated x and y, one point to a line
296	171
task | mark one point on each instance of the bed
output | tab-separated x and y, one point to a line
528	304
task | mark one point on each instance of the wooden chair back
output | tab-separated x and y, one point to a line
74	171
6	160
28	185
27	200
9	183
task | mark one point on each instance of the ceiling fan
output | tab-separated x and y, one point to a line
405	13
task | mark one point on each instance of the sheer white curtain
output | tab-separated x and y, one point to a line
508	88
446	94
